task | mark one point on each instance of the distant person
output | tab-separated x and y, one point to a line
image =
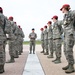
46	40
32	37
42	39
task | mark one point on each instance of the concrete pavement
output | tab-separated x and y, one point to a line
48	66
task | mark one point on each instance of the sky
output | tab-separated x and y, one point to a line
34	13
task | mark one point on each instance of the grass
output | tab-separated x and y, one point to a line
27	42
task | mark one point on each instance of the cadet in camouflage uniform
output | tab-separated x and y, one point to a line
22	36
12	41
46	40
57	33
2	36
42	39
68	22
32	37
4	29
20	40
16	42
50	39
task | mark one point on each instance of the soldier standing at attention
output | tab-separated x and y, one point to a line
20	39
4	29
68	22
46	40
42	39
2	53
50	39
12	41
32	37
57	33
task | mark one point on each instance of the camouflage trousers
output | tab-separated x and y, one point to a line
20	45
2	54
68	48
46	44
57	47
11	48
32	45
50	46
42	44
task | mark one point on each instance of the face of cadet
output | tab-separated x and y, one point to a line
64	10
54	20
48	24
32	30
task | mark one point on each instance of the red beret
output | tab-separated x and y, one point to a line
10	17
56	17
49	22
65	6
45	26
19	26
41	29
1	9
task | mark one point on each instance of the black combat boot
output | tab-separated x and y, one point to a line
12	60
70	69
66	67
1	69
33	51
46	53
57	61
42	52
16	55
50	56
54	60
19	52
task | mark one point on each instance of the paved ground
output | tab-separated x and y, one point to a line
49	68
17	67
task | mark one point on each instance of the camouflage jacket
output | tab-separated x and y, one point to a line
45	34
57	30
50	32
42	35
32	36
68	22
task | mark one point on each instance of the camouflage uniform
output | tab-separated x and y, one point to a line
42	41
32	37
57	40
12	43
46	41
22	36
15	43
4	29
50	41
68	22
20	40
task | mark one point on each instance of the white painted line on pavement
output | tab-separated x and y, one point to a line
33	66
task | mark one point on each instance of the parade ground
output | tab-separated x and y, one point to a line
34	64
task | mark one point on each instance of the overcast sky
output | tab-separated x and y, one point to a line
34	13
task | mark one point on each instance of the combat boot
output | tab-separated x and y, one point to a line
42	52
16	55
11	60
57	61
50	56
46	53
70	69
54	60
19	52
1	69
66	67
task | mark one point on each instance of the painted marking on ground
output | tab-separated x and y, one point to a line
33	66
